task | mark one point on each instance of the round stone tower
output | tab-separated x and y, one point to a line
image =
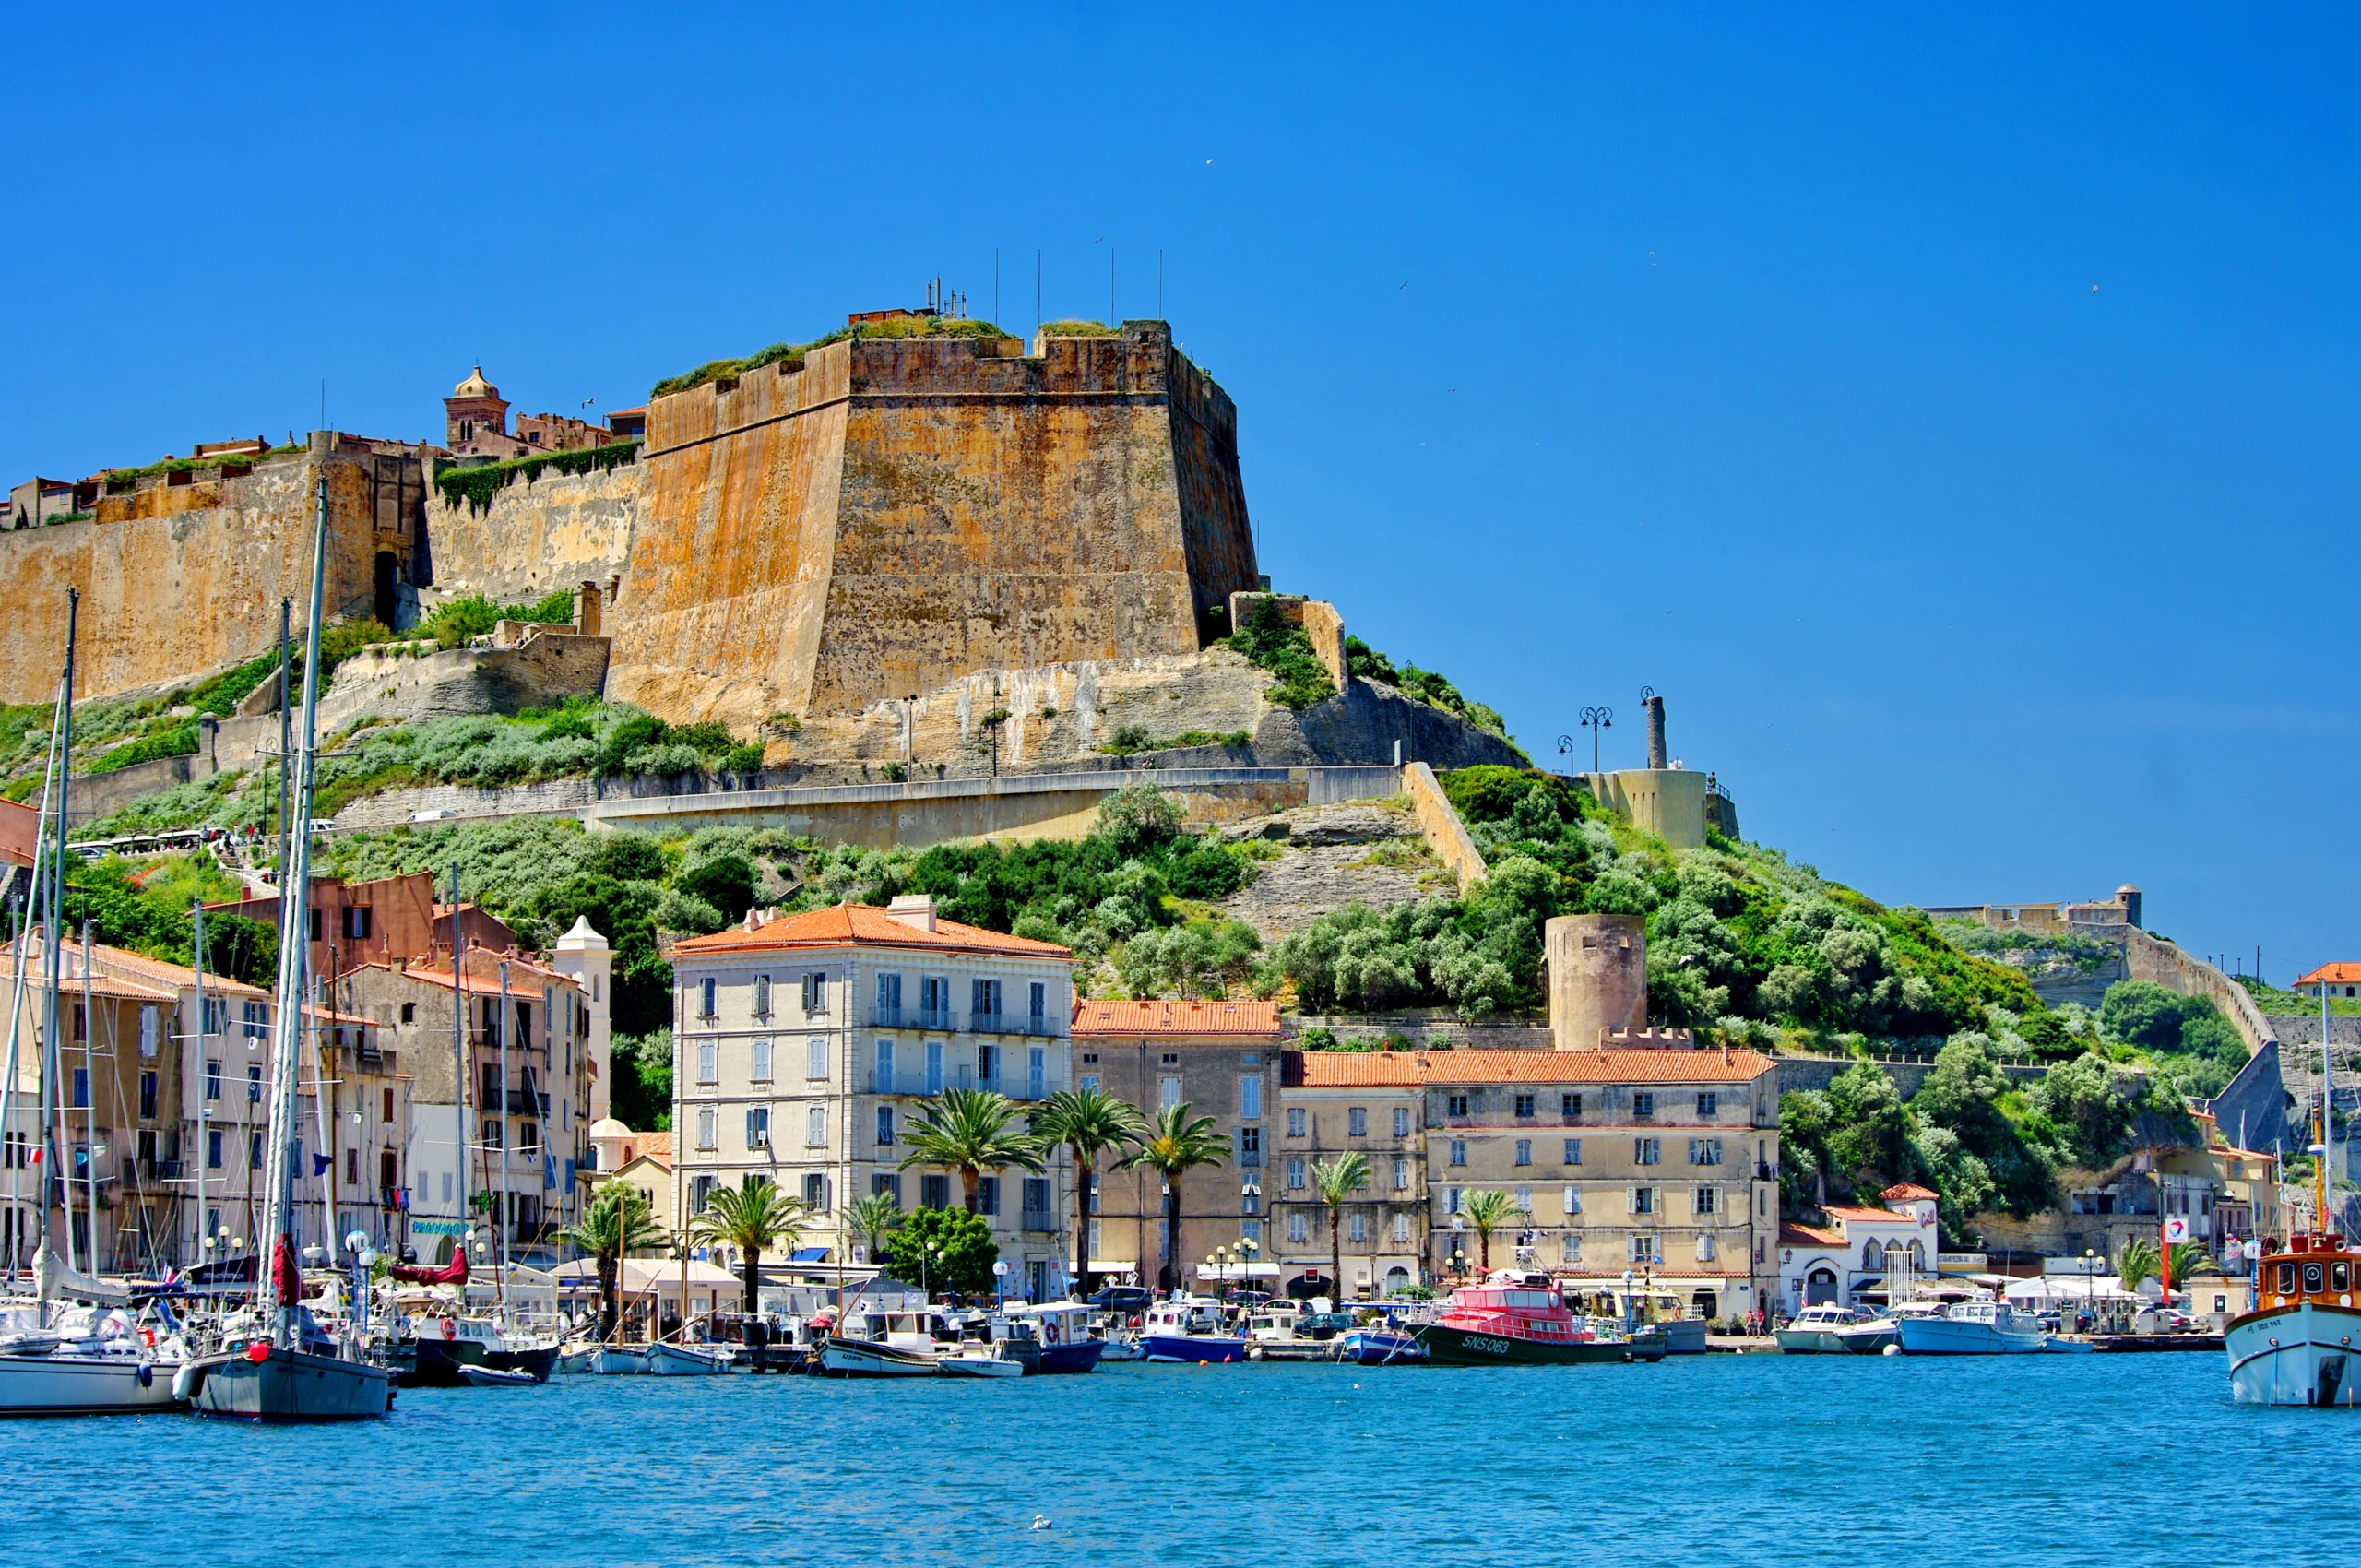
1598	977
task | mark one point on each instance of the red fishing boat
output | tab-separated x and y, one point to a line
1515	1319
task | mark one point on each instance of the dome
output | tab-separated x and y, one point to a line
607	1127
475	386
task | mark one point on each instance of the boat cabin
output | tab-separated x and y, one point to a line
1516	1310
2318	1269
1186	1314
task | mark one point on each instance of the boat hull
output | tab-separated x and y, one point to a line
979	1366
68	1385
1449	1347
609	1362
1683	1336
2303	1354
686	1360
290	1386
1188	1347
1811	1342
438	1363
493	1377
1080	1356
868	1357
1869	1339
1379	1349
1965	1337
537	1362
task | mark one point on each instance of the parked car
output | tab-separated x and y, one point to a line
1123	1298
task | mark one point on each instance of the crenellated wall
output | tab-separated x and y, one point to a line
819	536
555	531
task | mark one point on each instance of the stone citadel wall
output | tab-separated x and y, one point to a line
555	531
179	580
823	535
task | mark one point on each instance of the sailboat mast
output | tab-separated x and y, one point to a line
61	756
499	1215
196	1156
89	1103
2320	1165
459	1069
26	920
294	945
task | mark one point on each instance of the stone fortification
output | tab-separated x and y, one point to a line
824	534
546	666
540	535
182	573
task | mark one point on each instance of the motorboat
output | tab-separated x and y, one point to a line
493	1377
673	1358
1189	1329
975	1359
1817	1331
1971	1328
1871	1336
1377	1345
618	1361
840	1357
1063	1332
1514	1318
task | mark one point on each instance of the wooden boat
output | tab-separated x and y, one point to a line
2297	1346
619	1360
1513	1319
687	1360
873	1358
1063	1332
1379	1347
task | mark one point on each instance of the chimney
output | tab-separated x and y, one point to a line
1654	706
912	909
754	919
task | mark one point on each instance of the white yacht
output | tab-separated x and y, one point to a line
1972	1329
1817	1331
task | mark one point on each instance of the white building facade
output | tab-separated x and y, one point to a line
805	1044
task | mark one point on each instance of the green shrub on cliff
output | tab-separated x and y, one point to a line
1273	643
904	326
478	483
1364	662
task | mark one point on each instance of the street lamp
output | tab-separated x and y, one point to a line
1595	720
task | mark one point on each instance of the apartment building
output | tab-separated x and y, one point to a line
1333	1104
510	1129
165	1078
805	1043
1221	1059
1661	1162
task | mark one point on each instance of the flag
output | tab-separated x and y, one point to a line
320	1163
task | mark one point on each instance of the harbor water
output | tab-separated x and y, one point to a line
1704	1460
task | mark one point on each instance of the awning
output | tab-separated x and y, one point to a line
807	1255
1238	1271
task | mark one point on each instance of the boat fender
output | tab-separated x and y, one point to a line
450	1329
1891	1351
258	1352
146	1375
186	1380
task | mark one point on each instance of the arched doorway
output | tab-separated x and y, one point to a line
389	569
1397	1279
1707	1303
1311	1283
1819	1285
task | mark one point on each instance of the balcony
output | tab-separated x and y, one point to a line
923	1084
1037	1219
1037	1027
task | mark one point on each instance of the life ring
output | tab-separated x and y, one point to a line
147	1337
1049	1333
450	1329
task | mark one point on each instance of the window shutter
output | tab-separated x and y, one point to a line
1574	1200
1632	1200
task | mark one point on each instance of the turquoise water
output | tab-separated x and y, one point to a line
1717	1459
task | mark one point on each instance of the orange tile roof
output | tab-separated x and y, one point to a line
524	977
2333	974
1344	1069
1903	1191
1156	1017
658	1144
847	924
139	966
1794	1235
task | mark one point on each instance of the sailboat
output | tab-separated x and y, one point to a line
80	1345
291	1370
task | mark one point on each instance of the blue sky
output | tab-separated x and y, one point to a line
1950	415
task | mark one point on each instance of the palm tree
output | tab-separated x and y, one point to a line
1175	1143
1091	1122
971	1131
2142	1259
619	1220
872	1219
755	1218
1337	1178
1488	1211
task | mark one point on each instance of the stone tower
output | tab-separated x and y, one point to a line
474	407
1656	751
585	956
1598	977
